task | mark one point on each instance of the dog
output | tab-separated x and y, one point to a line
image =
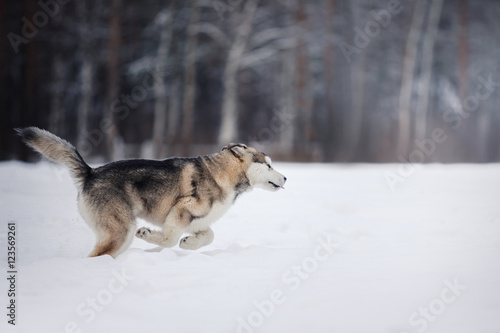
180	195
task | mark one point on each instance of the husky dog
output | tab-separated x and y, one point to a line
180	195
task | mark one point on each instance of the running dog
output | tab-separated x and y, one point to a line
180	195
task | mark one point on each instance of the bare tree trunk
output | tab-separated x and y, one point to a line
29	77
173	119
113	78
86	78
160	89
354	126
483	144
330	135
287	104
352	130
56	118
423	90
57	83
190	79
5	133
404	128
229	115
463	83
462	50
303	98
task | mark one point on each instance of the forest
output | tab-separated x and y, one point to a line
323	80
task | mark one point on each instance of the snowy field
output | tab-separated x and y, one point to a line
337	251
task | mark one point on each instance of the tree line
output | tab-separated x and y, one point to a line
322	80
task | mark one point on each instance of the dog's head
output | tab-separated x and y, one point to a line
258	167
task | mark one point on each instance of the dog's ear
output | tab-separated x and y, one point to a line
237	149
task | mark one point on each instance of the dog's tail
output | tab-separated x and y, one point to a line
57	150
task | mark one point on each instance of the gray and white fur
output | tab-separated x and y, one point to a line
180	195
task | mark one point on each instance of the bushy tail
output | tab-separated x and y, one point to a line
56	150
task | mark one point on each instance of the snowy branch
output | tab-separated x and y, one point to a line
214	32
257	56
267	35
264	53
141	65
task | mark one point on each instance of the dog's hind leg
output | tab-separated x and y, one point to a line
105	245
199	239
113	236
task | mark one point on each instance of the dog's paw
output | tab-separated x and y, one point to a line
189	243
143	232
184	243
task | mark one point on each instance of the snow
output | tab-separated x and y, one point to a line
337	251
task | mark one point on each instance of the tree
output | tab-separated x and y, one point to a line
56	118
286	84
352	96
427	60
164	21
303	93
462	49
229	113
87	20
114	43
190	78
407	79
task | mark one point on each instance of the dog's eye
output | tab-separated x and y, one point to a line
269	166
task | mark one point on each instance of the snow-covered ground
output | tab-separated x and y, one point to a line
337	251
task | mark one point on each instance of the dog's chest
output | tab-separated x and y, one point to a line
219	208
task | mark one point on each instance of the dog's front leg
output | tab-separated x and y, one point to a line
175	224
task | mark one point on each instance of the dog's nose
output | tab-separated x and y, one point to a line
284	178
